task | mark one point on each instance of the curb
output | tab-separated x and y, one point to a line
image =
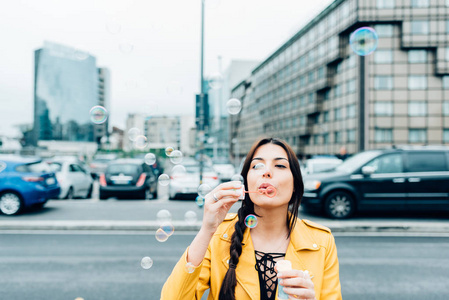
335	226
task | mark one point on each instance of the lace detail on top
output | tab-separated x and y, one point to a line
265	263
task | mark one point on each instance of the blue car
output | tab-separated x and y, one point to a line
25	182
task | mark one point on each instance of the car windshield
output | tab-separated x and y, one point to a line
123	168
37	167
55	167
356	161
324	166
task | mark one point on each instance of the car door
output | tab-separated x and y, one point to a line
77	176
427	175
385	188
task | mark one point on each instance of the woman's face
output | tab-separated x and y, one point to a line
270	166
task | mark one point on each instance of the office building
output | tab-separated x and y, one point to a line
67	84
317	94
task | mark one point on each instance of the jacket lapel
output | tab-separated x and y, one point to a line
301	239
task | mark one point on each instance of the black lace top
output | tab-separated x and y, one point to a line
265	263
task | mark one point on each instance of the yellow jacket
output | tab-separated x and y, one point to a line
312	247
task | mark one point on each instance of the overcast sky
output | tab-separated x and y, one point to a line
161	73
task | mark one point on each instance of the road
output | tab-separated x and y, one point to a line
106	265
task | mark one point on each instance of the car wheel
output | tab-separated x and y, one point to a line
89	194
69	194
102	196
10	203
339	205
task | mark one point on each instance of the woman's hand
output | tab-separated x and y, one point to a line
297	284
215	210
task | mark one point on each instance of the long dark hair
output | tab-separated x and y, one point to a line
227	291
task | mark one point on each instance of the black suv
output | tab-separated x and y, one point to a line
128	178
401	178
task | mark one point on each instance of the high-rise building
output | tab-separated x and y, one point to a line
317	94
66	87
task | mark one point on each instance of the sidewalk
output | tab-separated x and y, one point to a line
335	226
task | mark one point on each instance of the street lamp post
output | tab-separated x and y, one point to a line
201	133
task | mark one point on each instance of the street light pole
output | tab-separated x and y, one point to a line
201	133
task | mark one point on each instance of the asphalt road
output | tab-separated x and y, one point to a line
97	266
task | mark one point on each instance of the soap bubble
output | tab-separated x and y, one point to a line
234	106
126	47
176	157
164	179
140	142
251	221
163	216
98	114
364	41
203	190
161	236
146	262
190	217
168	228
238	177
169	151
199	201
150	159
133	133
190	268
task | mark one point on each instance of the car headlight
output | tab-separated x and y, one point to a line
312	185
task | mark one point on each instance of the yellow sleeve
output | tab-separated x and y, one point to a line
331	289
183	285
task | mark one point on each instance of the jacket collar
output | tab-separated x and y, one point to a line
301	239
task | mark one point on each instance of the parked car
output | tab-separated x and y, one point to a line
128	178
224	169
74	180
99	164
184	185
320	164
25	182
403	178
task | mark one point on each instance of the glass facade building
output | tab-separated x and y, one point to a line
66	87
317	94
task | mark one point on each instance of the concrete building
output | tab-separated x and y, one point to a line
218	142
317	94
67	84
104	96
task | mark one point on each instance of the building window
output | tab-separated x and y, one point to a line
337	114
446	108
417	135
351	61
419	27
303	100
383	57
383	108
350	111
326	95
325	138
417	56
337	137
383	82
417	109
326	116
385	3
420	3
311	76
350	135
446	82
447	26
337	91
383	135
302	121
351	86
321	73
384	30
316	139
311	97
447	54
417	82
445	135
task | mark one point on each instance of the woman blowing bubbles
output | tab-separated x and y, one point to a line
237	260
